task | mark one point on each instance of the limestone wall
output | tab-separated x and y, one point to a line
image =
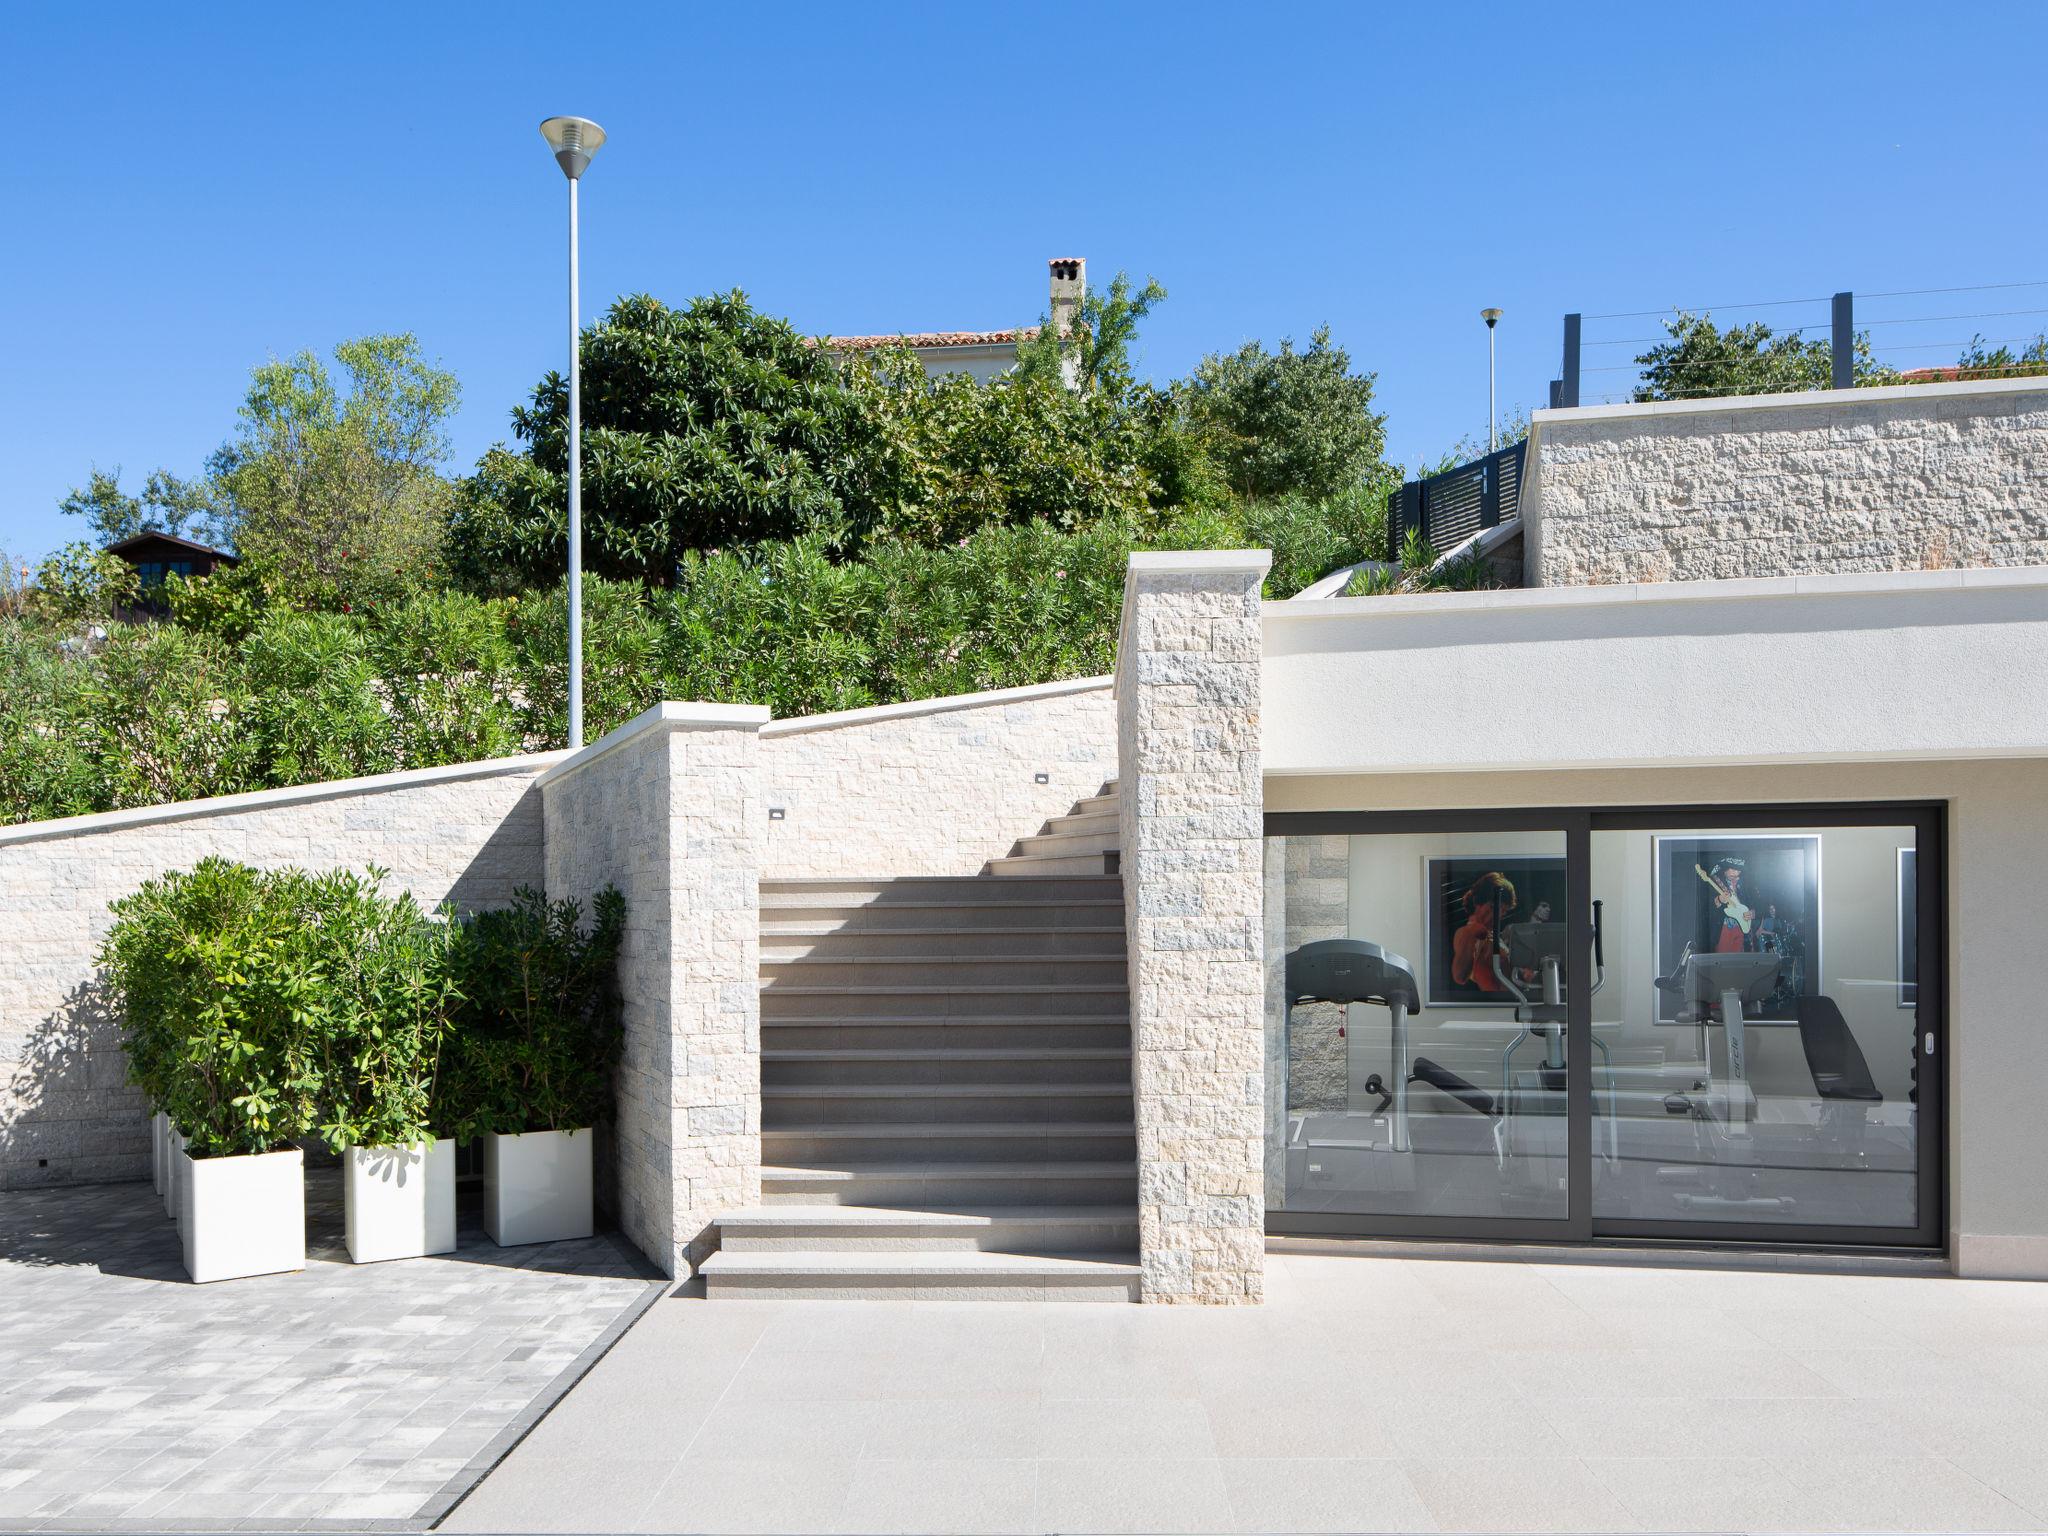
935	787
470	835
1908	478
1190	799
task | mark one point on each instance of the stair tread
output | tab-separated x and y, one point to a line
953	1053
1034	1169
879	1130
1031	987
948	1090
964	1262
856	1216
898	882
808	930
973	959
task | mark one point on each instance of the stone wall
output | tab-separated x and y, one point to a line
1912	478
470	835
1191	802
935	787
668	809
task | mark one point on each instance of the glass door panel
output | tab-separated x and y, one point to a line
1758	1048
1417	1033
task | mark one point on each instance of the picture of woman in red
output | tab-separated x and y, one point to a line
1489	899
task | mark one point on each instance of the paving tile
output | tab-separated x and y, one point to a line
1709	1493
748	1495
1316	1495
1902	1493
581	1493
1135	1428
951	1495
1116	1493
1520	1493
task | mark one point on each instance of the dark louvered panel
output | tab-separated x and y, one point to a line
1449	508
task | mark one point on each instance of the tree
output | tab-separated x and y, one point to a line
1700	360
703	427
1095	354
334	498
1287	422
168	504
1982	361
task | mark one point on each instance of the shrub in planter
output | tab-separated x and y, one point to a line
527	1063
217	971
384	1018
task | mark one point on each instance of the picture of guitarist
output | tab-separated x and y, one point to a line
1733	923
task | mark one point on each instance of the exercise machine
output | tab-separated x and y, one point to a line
1711	982
1347	971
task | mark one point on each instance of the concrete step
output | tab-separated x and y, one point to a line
800	972
919	1277
824	939
832	1105
1016	866
1056	845
1053	887
992	1031
789	1002
781	1068
1027	1229
941	1185
951	917
983	1141
1105	823
1096	805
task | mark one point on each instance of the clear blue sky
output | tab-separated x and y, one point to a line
191	189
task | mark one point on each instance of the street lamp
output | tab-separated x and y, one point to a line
1492	318
574	140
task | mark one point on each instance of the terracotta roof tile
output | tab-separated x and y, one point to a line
931	339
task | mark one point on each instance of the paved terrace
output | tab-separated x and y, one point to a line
133	1399
1369	1394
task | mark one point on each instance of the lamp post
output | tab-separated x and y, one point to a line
574	140
1492	318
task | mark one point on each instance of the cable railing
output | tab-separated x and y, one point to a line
1841	341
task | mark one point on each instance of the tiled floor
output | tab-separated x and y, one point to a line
343	1392
1369	1394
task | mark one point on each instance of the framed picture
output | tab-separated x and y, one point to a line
1462	898
1754	892
1909	929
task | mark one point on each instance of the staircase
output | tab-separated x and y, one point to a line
946	1085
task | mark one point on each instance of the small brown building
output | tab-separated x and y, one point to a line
157	555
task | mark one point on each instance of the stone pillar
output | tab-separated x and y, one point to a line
1191	801
667	808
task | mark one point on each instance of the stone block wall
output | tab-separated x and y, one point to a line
1912	478
470	835
1192	808
936	787
668	809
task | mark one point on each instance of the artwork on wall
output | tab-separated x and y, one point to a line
1740	892
1909	929
1463	898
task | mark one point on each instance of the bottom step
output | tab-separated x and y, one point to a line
918	1277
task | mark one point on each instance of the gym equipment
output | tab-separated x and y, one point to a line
1708	981
1346	971
1533	974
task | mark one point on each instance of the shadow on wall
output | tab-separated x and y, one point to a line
67	1111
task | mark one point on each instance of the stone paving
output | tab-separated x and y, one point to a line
356	1393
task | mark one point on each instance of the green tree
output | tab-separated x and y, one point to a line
1982	361
703	427
168	504
1287	422
80	584
1095	354
333	496
1700	360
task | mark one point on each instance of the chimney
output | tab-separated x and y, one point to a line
1069	283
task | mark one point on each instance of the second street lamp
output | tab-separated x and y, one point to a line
1492	318
574	140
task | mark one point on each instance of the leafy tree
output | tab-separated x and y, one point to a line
1095	354
1700	360
81	584
168	504
312	710
1980	361
333	496
702	427
1287	422
158	718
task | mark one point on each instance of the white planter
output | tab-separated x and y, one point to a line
157	1136
537	1187
399	1202
242	1215
174	1171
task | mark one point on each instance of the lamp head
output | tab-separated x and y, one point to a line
1491	317
574	140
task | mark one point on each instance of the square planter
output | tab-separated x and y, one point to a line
174	1171
537	1187
399	1202
242	1215
157	1136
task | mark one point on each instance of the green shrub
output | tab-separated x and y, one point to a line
538	1021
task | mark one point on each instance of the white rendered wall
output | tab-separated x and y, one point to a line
469	835
935	787
1906	478
1997	847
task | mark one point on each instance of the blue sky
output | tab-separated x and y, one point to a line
193	189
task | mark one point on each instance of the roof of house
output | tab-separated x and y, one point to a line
152	536
932	339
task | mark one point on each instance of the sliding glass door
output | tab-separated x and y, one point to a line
1706	1024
